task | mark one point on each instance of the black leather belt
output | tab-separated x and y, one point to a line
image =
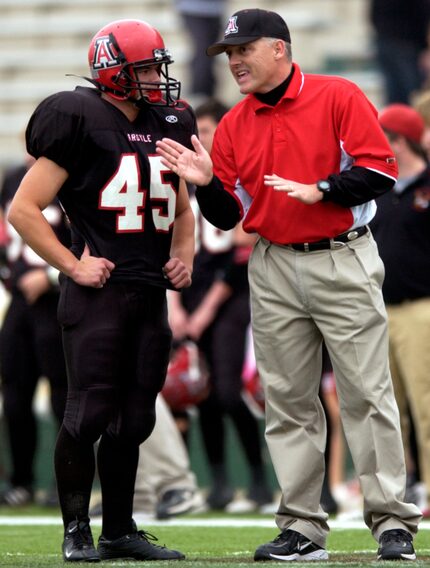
330	243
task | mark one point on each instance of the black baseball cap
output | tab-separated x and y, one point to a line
245	26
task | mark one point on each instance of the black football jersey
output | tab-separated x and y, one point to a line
119	198
20	257
214	254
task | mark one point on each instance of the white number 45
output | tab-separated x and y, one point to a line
124	192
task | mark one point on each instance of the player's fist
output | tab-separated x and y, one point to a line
92	270
178	273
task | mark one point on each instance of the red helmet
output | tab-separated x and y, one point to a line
252	389
187	380
253	394
119	50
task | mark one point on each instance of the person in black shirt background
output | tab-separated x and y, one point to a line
215	312
30	342
402	231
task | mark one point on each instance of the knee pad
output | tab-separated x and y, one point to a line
88	413
136	420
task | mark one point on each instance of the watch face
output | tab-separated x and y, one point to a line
323	186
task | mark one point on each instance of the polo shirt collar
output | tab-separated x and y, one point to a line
292	92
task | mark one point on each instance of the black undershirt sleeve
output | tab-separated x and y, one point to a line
356	186
217	205
351	187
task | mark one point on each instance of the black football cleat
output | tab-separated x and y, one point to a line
288	546
396	544
136	545
78	544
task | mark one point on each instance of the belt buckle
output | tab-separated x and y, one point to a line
336	244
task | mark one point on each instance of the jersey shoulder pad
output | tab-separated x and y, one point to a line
57	126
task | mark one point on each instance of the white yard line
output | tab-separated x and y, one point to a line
188	522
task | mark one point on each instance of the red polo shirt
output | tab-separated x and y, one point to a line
321	126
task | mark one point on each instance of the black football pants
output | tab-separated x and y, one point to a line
30	348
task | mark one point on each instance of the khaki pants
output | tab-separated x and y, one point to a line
297	299
163	462
409	333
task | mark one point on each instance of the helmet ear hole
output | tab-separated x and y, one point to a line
116	78
120	79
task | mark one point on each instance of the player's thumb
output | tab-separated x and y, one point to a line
86	251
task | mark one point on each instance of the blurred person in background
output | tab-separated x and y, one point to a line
402	231
334	454
165	482
30	342
401	30
203	21
215	312
421	103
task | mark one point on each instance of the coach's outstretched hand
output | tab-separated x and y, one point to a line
193	166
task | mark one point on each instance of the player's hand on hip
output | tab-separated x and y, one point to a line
306	193
178	273
193	166
91	270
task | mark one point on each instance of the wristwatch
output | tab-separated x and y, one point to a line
324	186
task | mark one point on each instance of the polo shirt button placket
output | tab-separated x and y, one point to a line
277	128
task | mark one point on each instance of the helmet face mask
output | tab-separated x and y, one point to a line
123	48
163	92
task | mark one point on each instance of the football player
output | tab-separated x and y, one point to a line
133	237
30	341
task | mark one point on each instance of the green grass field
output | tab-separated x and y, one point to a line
39	546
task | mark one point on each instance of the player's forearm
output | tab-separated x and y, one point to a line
183	238
174	300
30	223
216	296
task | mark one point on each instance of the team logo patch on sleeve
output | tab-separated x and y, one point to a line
231	26
104	54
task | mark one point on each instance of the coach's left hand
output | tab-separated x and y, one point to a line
306	193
